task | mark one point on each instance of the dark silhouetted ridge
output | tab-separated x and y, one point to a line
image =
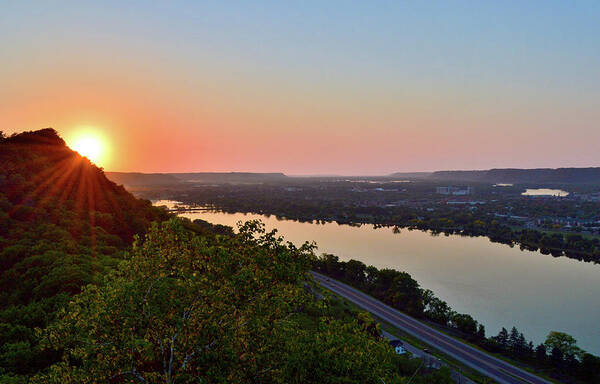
514	175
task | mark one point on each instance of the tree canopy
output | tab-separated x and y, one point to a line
563	342
187	308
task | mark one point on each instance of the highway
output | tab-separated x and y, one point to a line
496	369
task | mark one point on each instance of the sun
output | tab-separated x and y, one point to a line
91	145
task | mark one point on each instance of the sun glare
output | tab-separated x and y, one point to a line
90	145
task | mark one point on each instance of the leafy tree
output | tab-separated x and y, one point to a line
435	308
183	308
564	342
355	272
464	323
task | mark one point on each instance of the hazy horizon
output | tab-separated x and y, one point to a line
347	174
309	88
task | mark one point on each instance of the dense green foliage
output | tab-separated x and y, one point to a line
62	226
559	356
186	308
187	303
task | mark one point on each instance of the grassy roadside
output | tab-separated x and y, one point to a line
451	362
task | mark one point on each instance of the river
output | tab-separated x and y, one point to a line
496	284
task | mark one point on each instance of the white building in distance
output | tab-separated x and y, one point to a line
454	191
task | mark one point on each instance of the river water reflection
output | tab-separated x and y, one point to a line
496	284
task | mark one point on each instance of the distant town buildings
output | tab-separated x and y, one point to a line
590	197
454	191
469	202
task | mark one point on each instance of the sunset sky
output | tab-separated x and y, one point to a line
309	87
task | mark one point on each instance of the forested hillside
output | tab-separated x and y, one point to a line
97	286
62	226
136	179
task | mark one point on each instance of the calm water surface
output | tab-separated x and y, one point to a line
545	192
496	284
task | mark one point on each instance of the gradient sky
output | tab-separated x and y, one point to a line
328	87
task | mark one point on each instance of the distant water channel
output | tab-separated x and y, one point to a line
496	284
545	192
